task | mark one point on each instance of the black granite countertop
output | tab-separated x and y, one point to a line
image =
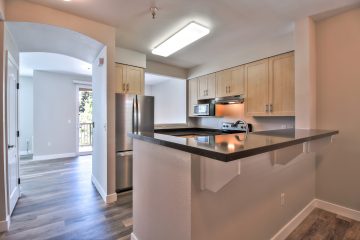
228	147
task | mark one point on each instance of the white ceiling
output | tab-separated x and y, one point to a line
234	24
52	62
33	37
154	79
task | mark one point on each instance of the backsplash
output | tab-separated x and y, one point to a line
234	112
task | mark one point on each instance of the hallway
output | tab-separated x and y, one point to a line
59	201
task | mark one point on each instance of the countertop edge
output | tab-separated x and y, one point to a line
227	157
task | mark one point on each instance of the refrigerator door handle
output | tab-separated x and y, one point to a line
135	115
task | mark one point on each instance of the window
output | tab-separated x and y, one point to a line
170	98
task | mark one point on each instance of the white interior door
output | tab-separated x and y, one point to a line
12	128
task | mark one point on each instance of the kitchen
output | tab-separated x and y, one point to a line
265	144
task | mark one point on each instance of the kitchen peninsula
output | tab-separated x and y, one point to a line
222	185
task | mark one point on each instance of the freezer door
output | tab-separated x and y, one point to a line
145	114
124	171
124	121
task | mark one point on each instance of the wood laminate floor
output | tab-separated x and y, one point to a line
322	225
59	202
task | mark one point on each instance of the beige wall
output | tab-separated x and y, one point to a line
167	189
165	70
305	74
23	11
338	99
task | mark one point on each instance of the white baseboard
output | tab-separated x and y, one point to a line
5	225
54	156
295	222
316	203
111	198
133	237
107	198
337	209
22	153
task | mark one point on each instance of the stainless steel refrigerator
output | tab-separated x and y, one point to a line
134	113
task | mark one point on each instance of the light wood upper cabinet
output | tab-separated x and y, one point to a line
193	95
257	88
282	85
230	82
129	79
270	87
119	74
207	86
223	81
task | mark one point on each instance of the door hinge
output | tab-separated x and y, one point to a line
18	180
18	133
18	86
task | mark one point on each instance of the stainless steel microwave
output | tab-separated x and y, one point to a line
204	109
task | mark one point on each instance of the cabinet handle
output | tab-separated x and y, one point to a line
123	87
266	108
127	87
229	89
207	92
271	108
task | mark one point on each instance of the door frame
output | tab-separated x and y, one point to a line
9	57
79	85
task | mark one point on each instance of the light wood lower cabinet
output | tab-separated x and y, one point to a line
207	86
129	79
270	87
193	95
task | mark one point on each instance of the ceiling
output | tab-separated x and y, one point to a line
34	37
234	25
153	79
52	62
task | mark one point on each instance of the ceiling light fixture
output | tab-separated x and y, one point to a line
187	35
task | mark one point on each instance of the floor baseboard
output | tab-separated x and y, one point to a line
295	222
5	225
337	209
133	237
316	203
107	198
53	156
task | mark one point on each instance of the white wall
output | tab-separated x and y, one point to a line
99	163
54	113
26	115
170	101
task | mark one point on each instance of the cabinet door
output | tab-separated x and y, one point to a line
119	75
134	80
193	95
282	85
223	82
211	86
202	87
257	88
236	85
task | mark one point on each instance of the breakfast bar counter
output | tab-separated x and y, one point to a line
228	147
197	184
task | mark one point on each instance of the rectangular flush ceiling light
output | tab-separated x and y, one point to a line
189	34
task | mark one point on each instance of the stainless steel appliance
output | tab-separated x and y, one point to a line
204	109
134	113
238	126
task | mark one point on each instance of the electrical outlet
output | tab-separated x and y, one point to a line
282	199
